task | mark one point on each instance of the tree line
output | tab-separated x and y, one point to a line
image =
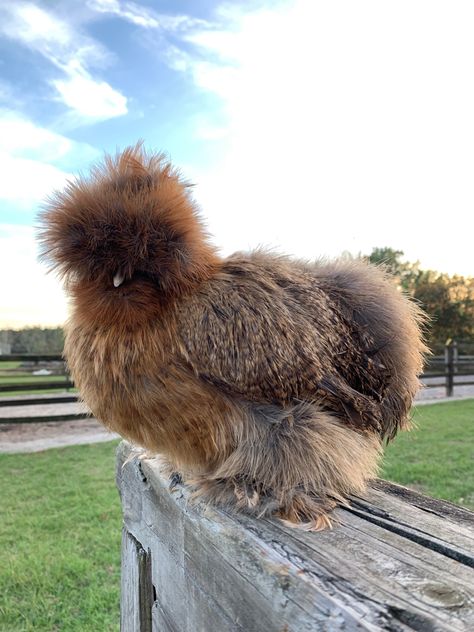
32	340
448	301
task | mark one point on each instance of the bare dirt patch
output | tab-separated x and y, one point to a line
34	437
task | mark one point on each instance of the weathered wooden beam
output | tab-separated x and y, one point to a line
34	400
136	587
36	385
396	561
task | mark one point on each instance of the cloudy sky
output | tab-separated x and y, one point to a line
315	127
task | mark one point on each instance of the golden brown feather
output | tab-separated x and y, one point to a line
269	383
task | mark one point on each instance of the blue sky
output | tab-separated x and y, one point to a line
315	127
78	78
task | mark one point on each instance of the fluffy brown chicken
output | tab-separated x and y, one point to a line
268	383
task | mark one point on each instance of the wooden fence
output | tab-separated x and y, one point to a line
449	370
395	561
32	373
35	388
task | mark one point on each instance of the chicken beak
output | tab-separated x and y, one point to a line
118	279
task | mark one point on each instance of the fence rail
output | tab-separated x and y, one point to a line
32	373
32	357
450	366
191	566
36	386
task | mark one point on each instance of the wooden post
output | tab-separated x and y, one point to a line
395	561
450	357
136	587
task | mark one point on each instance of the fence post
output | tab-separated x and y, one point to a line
450	356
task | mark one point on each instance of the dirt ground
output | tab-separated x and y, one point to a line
34	437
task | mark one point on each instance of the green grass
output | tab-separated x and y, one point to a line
43	391
9	364
28	378
60	532
437	457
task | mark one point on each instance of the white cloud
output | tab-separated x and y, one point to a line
29	296
18	134
73	53
35	27
28	153
90	98
349	126
28	175
144	17
26	182
206	131
176	58
128	10
51	36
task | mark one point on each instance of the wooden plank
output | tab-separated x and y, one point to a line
33	400
35	386
129	602
34	419
213	571
31	357
159	621
246	577
136	588
145	589
402	582
388	570
181	603
391	492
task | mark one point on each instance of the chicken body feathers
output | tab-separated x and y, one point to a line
270	329
269	383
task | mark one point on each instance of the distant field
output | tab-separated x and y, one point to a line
32	391
7	376
28	378
8	365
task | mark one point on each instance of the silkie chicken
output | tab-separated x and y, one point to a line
269	384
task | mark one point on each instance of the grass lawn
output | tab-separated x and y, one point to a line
60	531
437	457
60	525
42	391
8	364
28	378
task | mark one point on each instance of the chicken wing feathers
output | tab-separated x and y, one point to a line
270	333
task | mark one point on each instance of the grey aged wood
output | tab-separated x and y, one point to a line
136	587
396	561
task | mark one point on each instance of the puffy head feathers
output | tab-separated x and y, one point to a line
132	217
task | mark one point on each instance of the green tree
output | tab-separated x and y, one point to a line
35	340
448	300
407	273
